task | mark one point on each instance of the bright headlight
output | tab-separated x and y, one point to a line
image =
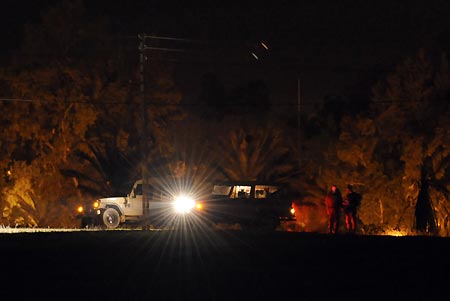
183	204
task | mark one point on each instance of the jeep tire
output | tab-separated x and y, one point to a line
111	218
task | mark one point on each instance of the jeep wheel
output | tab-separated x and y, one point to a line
111	218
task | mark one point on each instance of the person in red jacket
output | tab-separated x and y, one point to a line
333	203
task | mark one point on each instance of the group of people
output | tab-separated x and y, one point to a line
335	203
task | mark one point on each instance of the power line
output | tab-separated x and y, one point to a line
317	101
16	100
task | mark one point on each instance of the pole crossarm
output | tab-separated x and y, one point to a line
169	38
164	49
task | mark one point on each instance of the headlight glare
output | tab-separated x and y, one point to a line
183	204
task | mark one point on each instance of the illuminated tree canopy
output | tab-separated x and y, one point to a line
72	128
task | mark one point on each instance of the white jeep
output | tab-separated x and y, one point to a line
163	206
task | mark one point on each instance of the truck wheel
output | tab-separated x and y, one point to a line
111	218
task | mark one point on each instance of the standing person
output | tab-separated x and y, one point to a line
333	202
350	205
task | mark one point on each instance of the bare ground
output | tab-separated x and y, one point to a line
222	265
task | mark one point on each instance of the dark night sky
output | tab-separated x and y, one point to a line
331	45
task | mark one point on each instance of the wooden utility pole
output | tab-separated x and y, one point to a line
298	117
142	60
145	199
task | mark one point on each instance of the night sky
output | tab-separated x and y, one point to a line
334	47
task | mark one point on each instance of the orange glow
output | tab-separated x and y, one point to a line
395	233
199	206
292	211
80	209
96	204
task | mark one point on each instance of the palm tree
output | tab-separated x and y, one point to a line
412	114
106	169
255	154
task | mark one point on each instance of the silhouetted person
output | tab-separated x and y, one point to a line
333	202
350	205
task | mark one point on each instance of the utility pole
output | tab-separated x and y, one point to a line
298	117
142	60
145	199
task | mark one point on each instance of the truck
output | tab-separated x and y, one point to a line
249	204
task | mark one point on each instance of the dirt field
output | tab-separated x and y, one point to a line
222	265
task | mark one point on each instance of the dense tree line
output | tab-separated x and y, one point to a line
72	130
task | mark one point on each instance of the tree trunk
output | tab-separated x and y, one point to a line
425	220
